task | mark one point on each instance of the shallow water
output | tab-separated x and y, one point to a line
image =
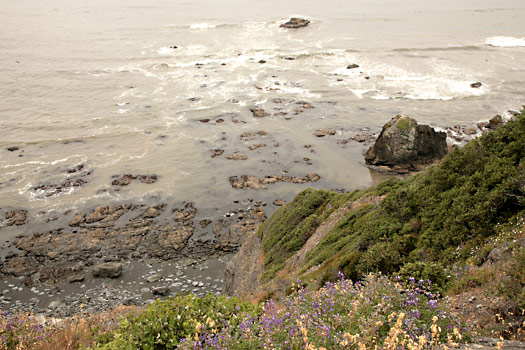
96	83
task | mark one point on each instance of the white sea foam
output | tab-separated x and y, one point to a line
165	51
202	26
505	41
346	72
359	93
235	59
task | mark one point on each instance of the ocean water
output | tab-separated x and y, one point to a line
121	87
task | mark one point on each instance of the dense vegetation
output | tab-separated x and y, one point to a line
425	223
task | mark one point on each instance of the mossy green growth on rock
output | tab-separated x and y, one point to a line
403	122
437	215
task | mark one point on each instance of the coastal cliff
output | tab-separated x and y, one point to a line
462	213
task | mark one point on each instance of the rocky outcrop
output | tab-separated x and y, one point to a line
295	22
403	146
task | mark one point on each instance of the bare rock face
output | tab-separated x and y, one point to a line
110	269
295	22
403	145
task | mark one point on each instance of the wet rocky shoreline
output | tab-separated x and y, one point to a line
97	259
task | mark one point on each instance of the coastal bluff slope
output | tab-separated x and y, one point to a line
459	212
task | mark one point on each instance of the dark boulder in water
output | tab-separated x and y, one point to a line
495	122
403	146
476	85
295	22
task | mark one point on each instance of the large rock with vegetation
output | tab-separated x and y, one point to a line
404	145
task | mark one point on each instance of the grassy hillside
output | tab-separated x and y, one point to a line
425	223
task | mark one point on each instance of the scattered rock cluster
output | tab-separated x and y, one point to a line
124	180
247	181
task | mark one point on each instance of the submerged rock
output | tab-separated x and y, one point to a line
126	179
259	113
257	145
237	156
295	22
216	152
403	145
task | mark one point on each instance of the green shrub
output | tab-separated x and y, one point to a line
431	271
165	322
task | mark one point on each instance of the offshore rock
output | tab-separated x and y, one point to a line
259	113
295	22
403	146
